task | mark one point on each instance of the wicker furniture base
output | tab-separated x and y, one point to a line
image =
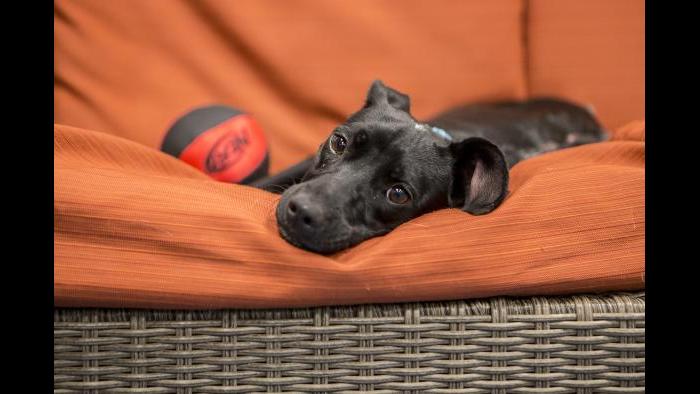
578	344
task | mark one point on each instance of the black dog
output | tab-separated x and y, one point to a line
382	168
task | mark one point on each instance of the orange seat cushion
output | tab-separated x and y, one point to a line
137	228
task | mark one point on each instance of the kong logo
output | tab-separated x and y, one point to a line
227	150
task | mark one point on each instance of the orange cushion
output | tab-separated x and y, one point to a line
590	51
130	68
137	228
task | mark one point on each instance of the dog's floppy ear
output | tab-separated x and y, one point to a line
379	93
479	180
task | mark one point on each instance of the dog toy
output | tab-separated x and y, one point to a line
225	143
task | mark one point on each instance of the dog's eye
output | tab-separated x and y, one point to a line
337	144
398	194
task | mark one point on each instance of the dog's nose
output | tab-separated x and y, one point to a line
301	213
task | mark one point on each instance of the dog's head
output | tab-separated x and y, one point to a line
380	169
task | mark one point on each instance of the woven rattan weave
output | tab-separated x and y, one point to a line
578	344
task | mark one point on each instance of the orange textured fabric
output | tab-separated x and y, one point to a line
130	68
136	228
590	51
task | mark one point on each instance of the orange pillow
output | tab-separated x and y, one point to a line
300	67
137	228
589	51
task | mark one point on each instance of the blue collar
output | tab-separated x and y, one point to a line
435	130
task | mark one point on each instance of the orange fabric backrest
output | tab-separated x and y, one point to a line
589	51
130	68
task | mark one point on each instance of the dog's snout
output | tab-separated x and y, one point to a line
302	214
309	216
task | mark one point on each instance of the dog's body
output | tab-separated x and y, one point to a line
523	129
382	168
